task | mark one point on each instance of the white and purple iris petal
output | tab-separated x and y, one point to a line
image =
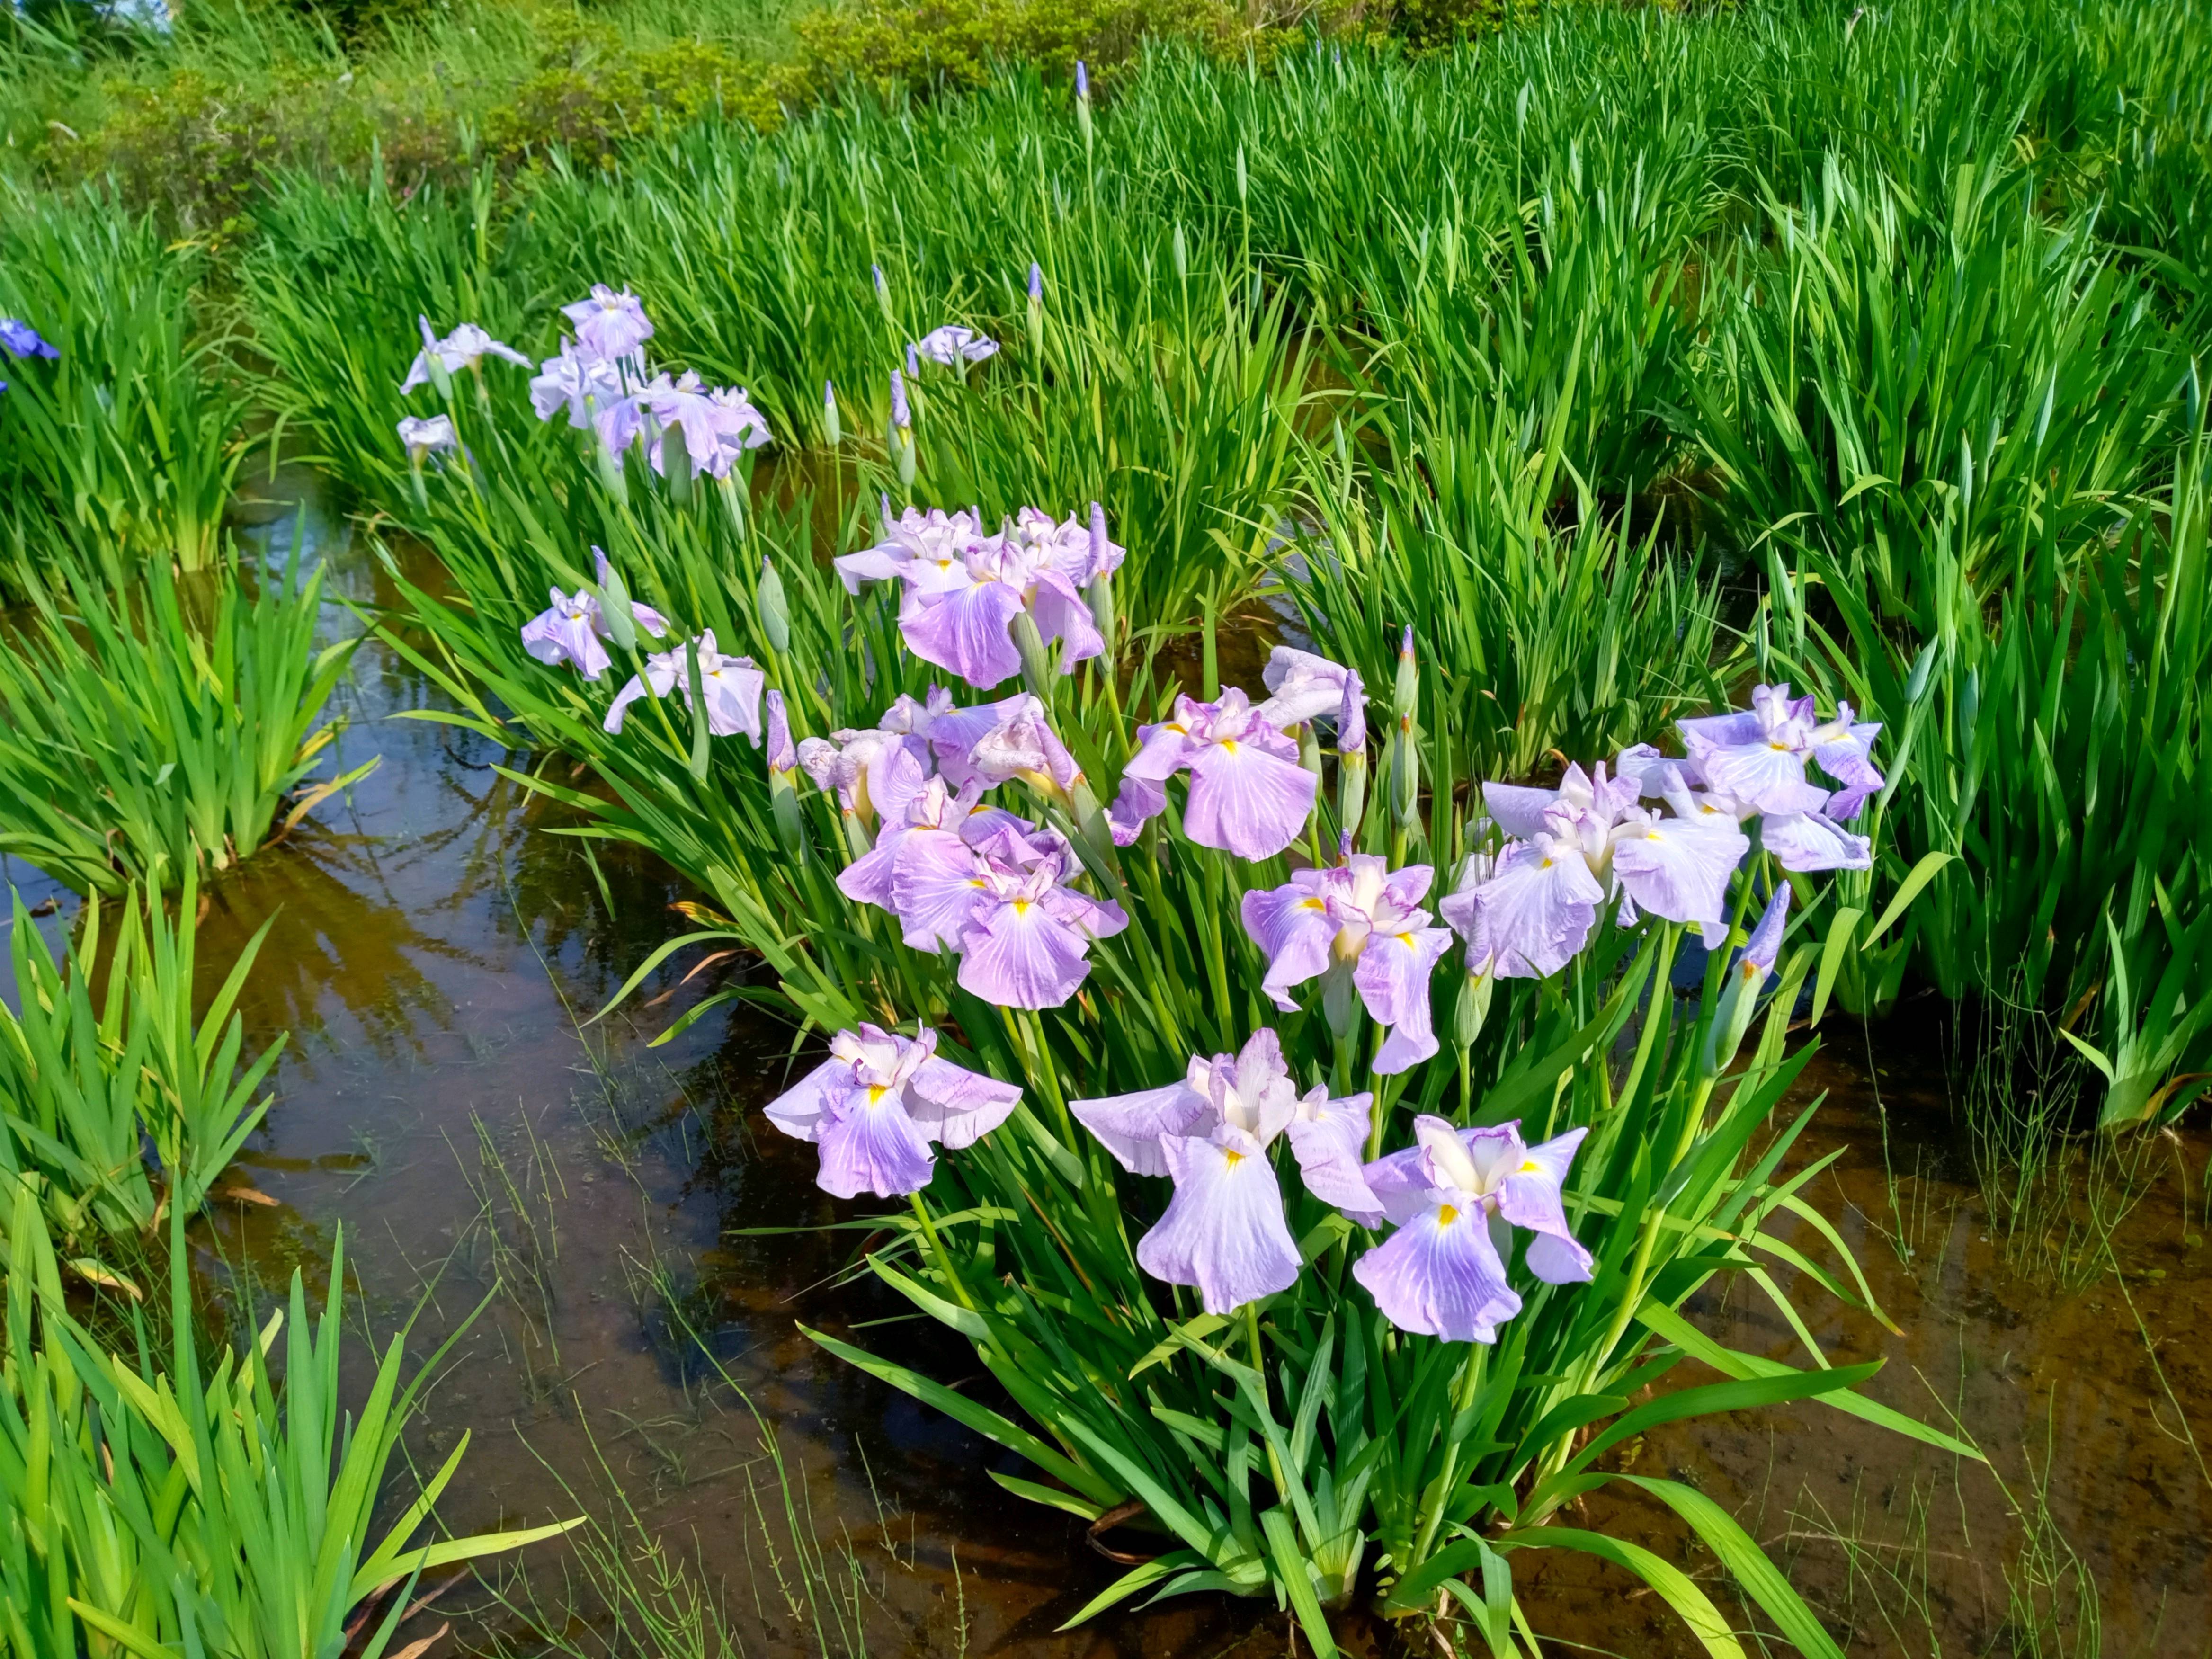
1533	913
1028	938
1759	755
464	347
952	344
1361	929
611	323
1248	795
1303	687
1225	1231
578	381
963	621
878	1104
1442	1272
564	634
731	687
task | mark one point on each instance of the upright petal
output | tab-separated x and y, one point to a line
1439	1275
1246	801
1517	808
1224	1231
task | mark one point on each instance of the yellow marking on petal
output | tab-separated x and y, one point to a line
1231	1157
1447	1215
1229	744
1529	1166
876	1093
1312	904
1405	939
1021	906
1779	747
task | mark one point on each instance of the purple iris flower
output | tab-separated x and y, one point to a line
1248	795
570	631
1757	756
1028	934
1224	1232
922	550
1454	1196
1304	687
715	427
1807	842
1036	282
1574	847
902	416
963	621
732	686
1003	742
1082	80
581	382
922	867
426	437
19	339
464	347
609	325
1361	929
952	344
880	1102
913	360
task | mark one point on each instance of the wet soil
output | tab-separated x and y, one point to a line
444	1102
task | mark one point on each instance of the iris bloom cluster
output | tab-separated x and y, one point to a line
1571	851
963	590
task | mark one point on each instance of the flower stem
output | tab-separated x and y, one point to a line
1463	1393
943	1256
1260	1365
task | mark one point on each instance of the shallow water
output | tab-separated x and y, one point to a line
434	954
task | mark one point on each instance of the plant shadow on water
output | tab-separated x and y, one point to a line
438	955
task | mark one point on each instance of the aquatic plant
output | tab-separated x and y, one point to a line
151	1504
152	724
90	1083
1376	1382
119	428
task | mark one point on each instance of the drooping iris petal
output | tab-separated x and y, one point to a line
1528	1196
869	1145
965	631
1392	976
1439	1274
1246	798
934	889
799	1109
1224	1232
1302	687
1329	1138
1290	925
1807	842
955	1107
1017	954
1679	868
1131	1126
1535	911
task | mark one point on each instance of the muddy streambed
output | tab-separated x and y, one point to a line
435	955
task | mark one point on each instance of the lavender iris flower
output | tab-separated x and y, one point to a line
1036	282
609	325
19	339
1757	754
873	773
1359	928
426	437
782	757
464	347
880	1102
581	382
1807	842
1305	687
901	415
1573	847
1028	934
1004	742
1248	795
922	550
952	344
732	686
912	359
715	427
922	867
571	630
1454	1195
963	621
1225	1231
